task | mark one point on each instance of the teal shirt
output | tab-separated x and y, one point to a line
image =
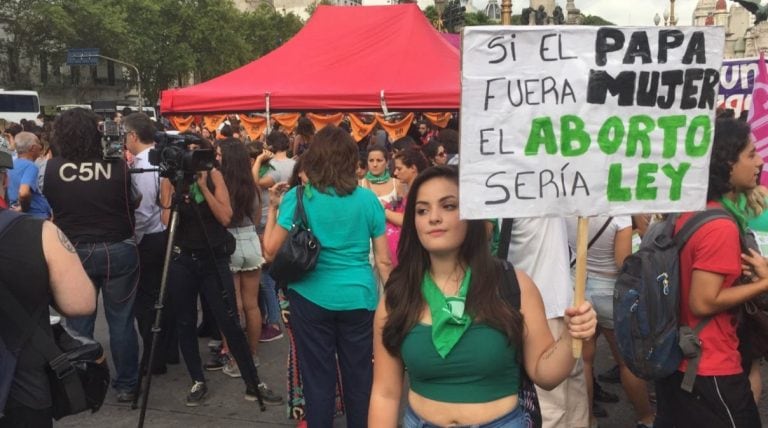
344	225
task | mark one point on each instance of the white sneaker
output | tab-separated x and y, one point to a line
230	369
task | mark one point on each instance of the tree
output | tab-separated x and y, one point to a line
477	18
454	16
313	6
595	20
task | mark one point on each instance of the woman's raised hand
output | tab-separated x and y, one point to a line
581	321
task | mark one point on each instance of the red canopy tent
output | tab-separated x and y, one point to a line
344	59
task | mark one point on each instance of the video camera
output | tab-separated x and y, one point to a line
111	132
174	159
112	140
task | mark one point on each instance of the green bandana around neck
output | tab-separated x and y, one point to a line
196	194
449	318
377	179
738	209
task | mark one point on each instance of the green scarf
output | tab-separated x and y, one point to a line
449	320
196	194
264	169
738	209
377	179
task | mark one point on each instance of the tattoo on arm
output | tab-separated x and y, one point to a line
65	241
551	350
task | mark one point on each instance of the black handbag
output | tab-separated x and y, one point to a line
298	254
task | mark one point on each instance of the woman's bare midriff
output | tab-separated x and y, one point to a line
451	414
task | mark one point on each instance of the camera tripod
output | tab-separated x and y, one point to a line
181	182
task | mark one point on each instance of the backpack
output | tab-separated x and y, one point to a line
77	370
646	303
526	396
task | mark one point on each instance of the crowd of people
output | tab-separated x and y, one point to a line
402	285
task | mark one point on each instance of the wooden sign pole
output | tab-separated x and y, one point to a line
582	233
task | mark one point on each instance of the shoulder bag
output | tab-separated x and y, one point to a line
298	254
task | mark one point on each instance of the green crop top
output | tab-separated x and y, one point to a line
481	367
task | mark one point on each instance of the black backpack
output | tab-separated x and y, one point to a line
527	397
646	303
77	370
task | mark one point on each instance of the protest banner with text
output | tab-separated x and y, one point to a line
581	121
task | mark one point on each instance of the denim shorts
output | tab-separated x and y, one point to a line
599	292
247	255
513	419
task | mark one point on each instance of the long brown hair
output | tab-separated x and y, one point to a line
404	300
236	169
331	161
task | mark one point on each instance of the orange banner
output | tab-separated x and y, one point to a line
322	120
287	121
181	123
254	126
439	119
212	123
395	130
360	129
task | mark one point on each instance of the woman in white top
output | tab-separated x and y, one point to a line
387	188
604	260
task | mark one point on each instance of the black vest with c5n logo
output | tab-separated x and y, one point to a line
91	200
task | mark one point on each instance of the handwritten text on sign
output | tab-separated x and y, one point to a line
564	121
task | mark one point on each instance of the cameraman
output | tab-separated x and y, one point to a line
151	238
91	202
201	265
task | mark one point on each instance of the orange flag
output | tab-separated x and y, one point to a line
322	120
181	123
395	130
254	126
287	121
439	119
360	129
212	123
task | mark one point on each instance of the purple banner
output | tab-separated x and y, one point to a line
737	80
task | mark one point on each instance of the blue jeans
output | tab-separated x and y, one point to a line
114	270
513	419
268	299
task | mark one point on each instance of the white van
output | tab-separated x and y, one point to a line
17	105
64	107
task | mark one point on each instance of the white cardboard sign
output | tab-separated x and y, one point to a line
579	121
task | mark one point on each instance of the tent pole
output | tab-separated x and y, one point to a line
269	116
383	103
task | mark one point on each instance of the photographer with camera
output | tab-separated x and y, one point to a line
201	253
92	204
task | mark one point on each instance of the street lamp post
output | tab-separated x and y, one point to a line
506	12
138	77
672	19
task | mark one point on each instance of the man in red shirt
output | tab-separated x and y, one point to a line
710	266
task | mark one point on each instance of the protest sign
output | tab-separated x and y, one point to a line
737	80
581	121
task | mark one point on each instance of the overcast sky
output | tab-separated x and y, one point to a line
620	12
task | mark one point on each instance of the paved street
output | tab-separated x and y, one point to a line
225	406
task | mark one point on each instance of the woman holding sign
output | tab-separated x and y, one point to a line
444	317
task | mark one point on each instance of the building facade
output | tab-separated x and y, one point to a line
743	39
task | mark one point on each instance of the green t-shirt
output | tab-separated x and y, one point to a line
344	225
